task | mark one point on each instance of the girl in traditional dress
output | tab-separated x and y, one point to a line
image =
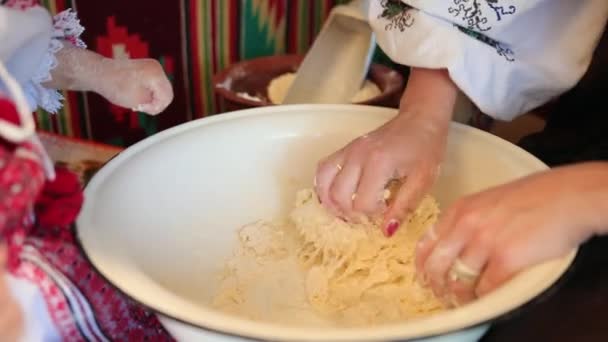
48	291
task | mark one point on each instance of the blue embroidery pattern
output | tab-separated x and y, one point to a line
475	21
501	10
471	12
500	48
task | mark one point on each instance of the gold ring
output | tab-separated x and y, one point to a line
391	189
463	272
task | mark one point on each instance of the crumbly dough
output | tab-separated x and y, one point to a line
314	269
278	87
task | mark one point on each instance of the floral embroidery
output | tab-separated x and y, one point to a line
397	13
501	49
472	14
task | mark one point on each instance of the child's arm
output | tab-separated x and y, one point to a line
139	84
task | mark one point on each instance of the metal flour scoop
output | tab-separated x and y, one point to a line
336	65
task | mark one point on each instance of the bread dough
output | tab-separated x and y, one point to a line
316	270
278	87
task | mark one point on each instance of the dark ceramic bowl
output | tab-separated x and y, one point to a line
253	76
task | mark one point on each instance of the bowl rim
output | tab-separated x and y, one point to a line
388	332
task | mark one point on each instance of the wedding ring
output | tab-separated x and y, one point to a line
462	272
391	189
386	194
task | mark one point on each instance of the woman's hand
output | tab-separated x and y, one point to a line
352	180
408	148
485	239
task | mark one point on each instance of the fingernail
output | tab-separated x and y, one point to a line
391	227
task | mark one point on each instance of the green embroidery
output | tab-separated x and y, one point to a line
393	8
397	13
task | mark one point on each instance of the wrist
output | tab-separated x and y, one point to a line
581	194
435	116
430	94
596	178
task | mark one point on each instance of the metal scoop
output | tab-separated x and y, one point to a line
336	65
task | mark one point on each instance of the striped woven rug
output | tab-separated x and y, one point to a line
192	39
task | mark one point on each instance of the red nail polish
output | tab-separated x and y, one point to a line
392	227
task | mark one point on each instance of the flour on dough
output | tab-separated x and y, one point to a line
316	270
278	87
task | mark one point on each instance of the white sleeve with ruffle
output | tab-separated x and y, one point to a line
66	30
507	56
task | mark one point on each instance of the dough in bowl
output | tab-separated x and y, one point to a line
278	87
315	269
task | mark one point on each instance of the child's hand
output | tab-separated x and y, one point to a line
11	322
139	84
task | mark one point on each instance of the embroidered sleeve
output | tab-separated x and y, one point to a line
507	56
66	30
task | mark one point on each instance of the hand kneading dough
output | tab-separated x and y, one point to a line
317	265
278	87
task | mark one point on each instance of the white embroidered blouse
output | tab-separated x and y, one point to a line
507	56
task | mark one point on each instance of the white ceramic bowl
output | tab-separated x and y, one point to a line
160	219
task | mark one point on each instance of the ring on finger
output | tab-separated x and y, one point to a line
390	189
460	271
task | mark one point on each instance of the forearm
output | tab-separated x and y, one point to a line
430	94
77	69
595	205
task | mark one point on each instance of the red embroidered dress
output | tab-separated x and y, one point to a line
61	296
